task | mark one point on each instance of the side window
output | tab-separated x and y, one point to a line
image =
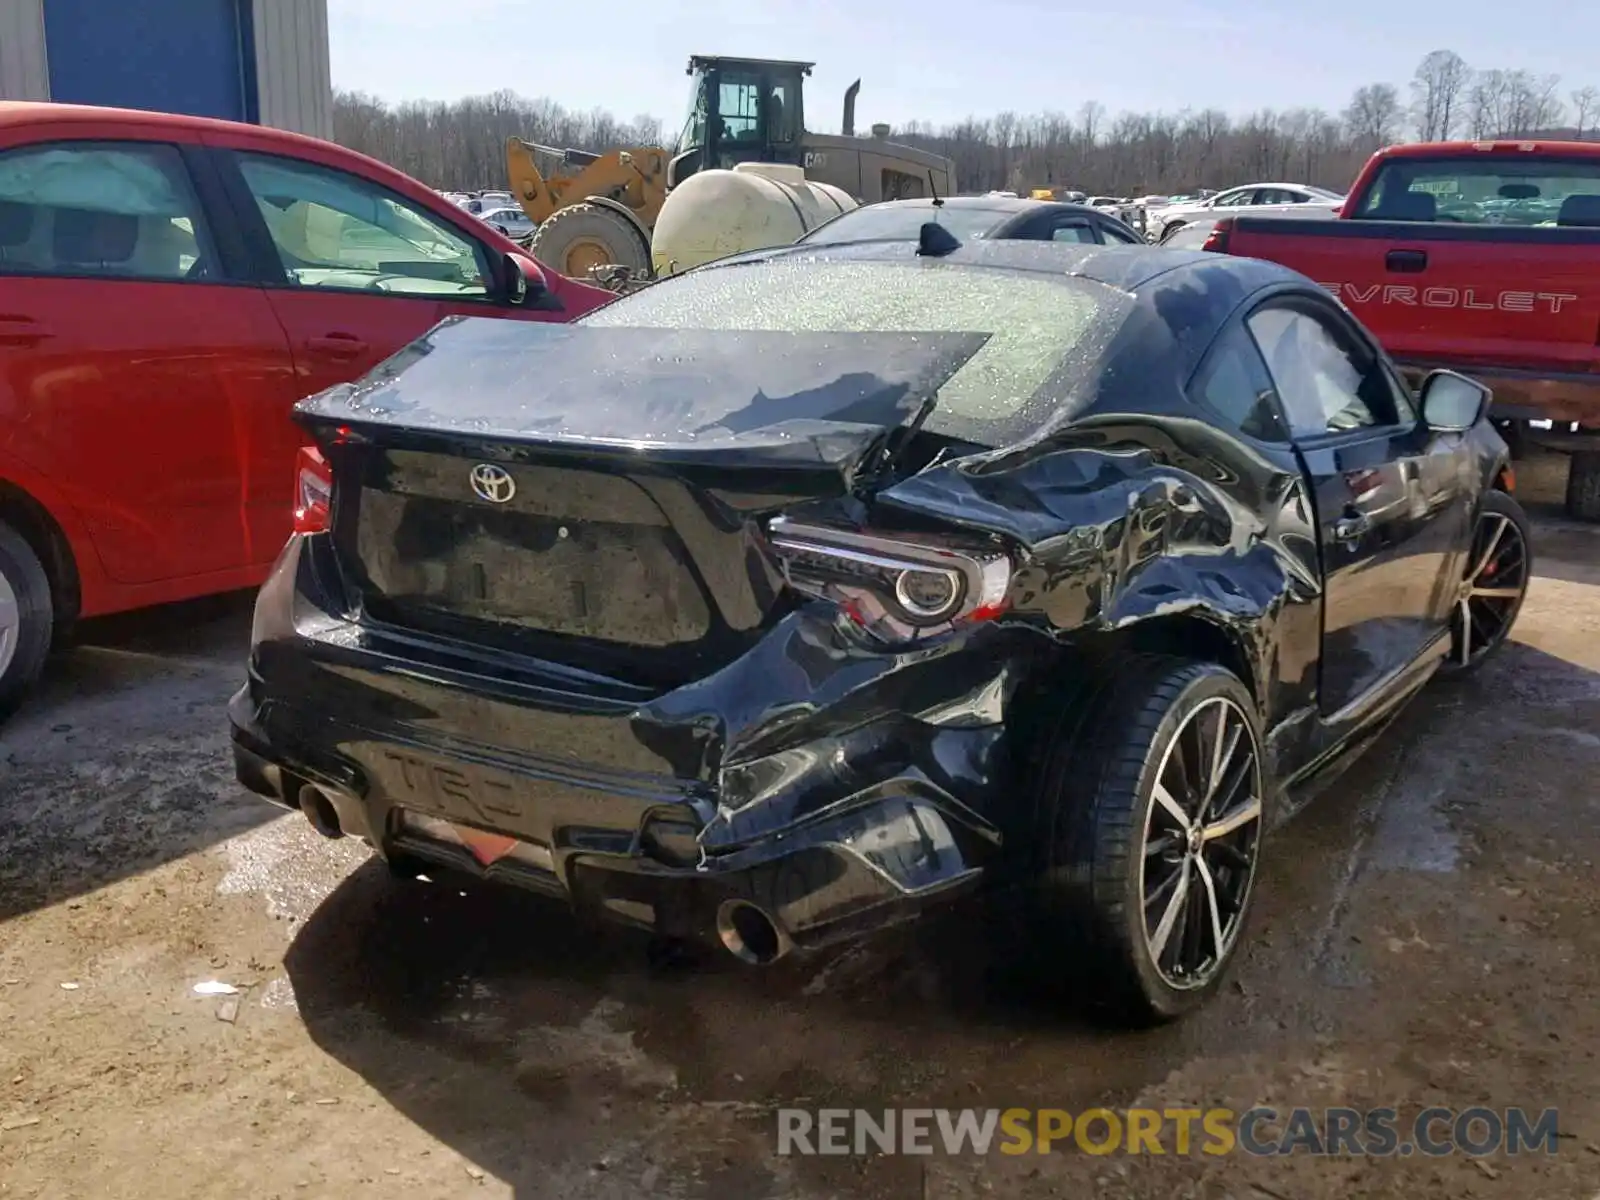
1113	236
1075	231
1235	199
1327	383
336	230
1233	383
780	115
119	210
1278	196
1404	396
739	103
897	185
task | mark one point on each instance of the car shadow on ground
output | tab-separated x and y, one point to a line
515	1034
120	761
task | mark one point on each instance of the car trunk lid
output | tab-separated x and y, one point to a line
594	496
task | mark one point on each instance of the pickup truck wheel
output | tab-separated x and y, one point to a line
1494	582
27	618
1153	812
1583	487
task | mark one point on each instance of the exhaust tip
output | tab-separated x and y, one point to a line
319	811
749	934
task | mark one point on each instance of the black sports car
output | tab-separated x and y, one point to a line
970	218
780	599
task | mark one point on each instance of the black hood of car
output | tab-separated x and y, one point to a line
800	399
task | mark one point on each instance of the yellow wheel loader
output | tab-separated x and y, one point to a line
603	209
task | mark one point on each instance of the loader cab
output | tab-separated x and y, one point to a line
740	110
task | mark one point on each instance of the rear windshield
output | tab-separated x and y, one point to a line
1487	189
1048	331
903	223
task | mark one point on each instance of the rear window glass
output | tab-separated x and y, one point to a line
1048	331
1487	189
901	223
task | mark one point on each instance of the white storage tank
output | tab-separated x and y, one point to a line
754	206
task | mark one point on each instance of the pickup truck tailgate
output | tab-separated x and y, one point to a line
1488	295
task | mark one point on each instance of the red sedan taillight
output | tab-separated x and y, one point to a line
1217	240
313	491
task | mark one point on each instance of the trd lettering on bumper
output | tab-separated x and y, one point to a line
473	798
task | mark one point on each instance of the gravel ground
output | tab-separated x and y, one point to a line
1426	935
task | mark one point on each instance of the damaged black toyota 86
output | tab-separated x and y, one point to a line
773	603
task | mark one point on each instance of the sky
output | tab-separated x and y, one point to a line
942	60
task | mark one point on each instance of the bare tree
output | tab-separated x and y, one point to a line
1585	104
1090	117
1531	104
1488	99
1374	115
1436	93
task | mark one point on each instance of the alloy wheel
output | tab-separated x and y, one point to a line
10	624
1201	842
1491	588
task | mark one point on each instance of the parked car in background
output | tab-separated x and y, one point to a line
1192	236
479	203
994	216
509	222
169	287
1240	201
782	599
1481	257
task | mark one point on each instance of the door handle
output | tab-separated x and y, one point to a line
338	345
18	330
1406	261
1352	528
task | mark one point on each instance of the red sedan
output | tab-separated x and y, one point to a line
169	287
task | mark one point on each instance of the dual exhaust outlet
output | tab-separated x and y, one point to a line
319	810
745	930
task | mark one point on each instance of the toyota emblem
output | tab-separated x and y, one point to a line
493	483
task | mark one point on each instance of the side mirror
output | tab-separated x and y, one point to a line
526	286
1452	403
681	166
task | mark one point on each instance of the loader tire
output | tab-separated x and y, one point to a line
582	236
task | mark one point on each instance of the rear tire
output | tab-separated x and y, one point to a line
27	618
1111	905
1583	487
582	236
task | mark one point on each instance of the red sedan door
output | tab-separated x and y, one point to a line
126	358
355	270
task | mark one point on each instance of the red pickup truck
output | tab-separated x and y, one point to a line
1483	257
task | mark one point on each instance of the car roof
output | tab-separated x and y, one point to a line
1508	146
1171	304
1126	268
37	112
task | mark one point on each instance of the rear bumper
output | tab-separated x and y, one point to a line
802	782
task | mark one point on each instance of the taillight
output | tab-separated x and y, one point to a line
1217	240
313	491
899	590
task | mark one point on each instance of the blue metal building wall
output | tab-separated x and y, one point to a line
185	56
